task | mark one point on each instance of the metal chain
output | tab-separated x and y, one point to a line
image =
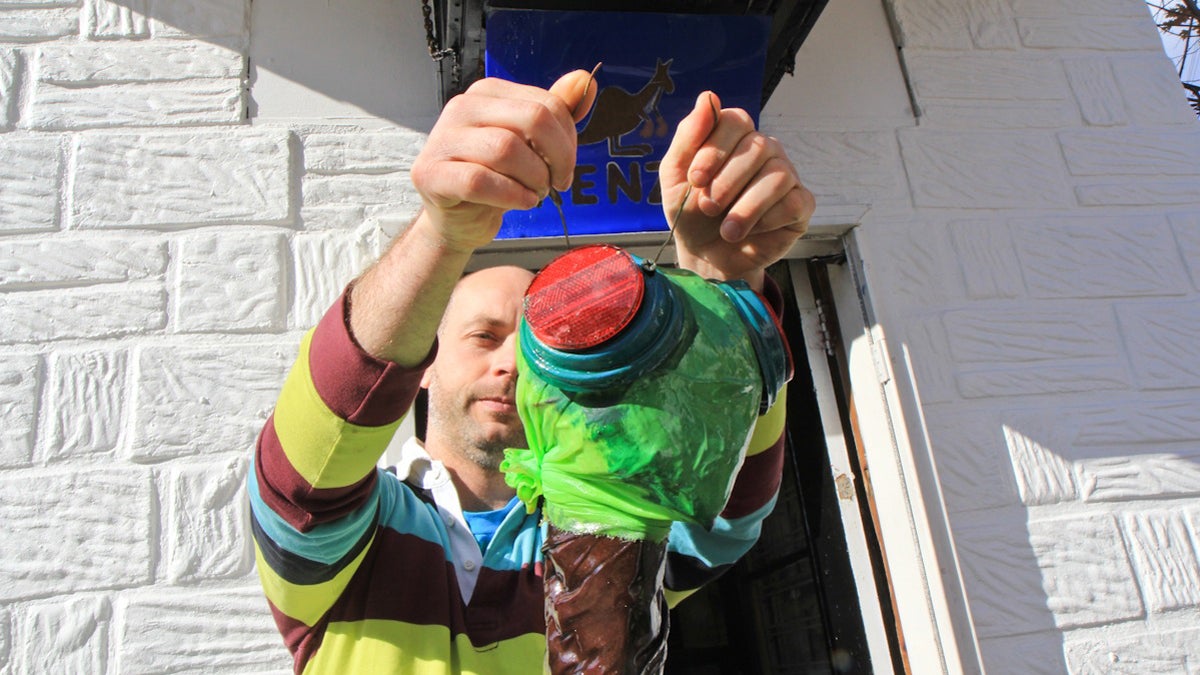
431	41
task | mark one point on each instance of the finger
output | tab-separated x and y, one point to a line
577	89
540	117
689	136
733	125
742	165
502	151
453	183
772	185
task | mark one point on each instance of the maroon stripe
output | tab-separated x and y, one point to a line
356	386
406	578
757	481
301	640
288	494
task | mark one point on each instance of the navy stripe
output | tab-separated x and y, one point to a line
685	573
297	569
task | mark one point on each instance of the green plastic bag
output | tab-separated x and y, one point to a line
665	448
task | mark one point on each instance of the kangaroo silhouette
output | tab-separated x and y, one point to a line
619	112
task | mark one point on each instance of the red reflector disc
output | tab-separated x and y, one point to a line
584	297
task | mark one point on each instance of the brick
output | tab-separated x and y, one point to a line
31	170
182	629
1096	257
207	102
1043	477
79	260
230	283
949	75
1042	379
86	410
1086	575
920	263
67	637
1145	192
991	25
205	399
1162	553
1093	85
364	189
53	546
373	152
1131	652
987	259
1084	31
1129	422
1150	87
1186	227
1060	8
1040	332
123	63
1037	654
1146	475
205	528
940	24
972	467
201	19
90	312
958	170
103	19
1002	577
1140	153
162	179
1163	342
324	264
5	640
10	66
36	25
924	334
998	114
20	376
332	217
848	168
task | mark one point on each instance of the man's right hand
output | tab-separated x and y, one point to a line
496	147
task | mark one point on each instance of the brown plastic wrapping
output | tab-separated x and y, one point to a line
605	609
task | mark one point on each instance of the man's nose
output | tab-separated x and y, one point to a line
504	359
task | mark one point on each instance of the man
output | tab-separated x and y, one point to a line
436	569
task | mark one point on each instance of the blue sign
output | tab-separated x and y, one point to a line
654	68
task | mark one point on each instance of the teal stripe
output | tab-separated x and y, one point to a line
403	511
526	545
728	540
326	543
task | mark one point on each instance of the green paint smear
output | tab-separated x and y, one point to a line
666	450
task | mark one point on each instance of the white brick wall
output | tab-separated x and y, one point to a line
1032	244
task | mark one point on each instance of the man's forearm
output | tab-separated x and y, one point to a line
397	304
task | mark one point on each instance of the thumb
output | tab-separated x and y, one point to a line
690	135
578	90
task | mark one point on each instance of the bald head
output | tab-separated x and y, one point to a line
497	283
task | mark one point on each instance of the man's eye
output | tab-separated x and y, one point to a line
483	336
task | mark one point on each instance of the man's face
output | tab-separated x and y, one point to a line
472	382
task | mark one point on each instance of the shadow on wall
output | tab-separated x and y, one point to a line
1037	567
299	50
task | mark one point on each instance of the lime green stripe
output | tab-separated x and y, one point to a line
382	646
305	603
769	426
325	450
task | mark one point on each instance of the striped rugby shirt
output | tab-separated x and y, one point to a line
373	571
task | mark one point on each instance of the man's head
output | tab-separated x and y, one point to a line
472	382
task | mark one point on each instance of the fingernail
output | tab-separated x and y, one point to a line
698	177
731	231
709	206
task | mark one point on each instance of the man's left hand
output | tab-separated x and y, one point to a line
746	206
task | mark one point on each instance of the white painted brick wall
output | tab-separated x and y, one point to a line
1032	245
